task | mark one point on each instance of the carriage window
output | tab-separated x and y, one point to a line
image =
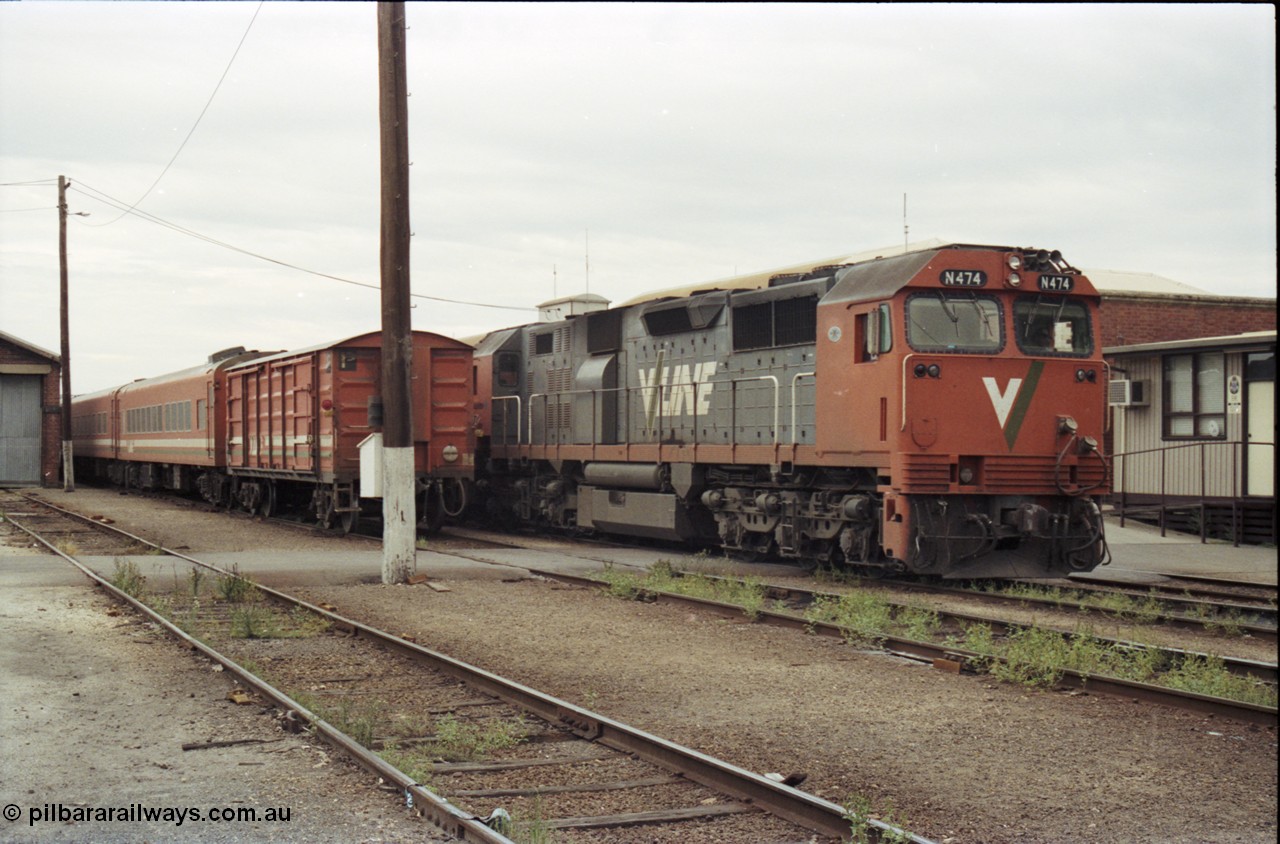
1052	326
954	322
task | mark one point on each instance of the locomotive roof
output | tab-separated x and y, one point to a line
753	281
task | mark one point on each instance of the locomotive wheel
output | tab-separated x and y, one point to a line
431	509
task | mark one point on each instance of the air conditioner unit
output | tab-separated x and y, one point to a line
1122	392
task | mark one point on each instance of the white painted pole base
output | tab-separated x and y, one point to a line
68	468
399	522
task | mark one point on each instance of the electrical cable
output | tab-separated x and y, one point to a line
183	145
111	201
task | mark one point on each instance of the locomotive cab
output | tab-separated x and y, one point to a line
986	410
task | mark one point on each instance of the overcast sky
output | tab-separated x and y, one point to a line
673	143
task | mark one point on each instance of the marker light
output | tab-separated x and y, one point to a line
934	370
919	370
326	404
1013	280
1080	374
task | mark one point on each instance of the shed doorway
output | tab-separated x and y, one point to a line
20	419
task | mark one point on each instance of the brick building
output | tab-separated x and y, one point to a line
1144	308
30	414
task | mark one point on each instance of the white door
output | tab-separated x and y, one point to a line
1260	398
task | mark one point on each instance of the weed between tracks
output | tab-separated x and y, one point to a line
748	593
859	811
1140	609
1029	656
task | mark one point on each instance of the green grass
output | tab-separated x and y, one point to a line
748	593
128	579
1036	657
454	741
233	588
860	811
866	618
362	720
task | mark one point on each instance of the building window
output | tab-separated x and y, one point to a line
1195	396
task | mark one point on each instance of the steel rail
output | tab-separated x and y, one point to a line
946	656
442	813
1264	671
1261	631
1201	586
808	810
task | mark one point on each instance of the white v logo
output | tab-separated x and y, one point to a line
1002	402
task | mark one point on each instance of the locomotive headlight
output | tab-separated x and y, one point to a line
1014	261
1013	280
934	370
449	453
966	475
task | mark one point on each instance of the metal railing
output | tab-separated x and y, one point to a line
1187	477
656	408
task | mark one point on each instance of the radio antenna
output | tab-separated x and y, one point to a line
905	228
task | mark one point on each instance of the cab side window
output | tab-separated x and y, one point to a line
876	329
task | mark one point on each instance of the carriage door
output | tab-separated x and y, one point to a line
297	383
1260	421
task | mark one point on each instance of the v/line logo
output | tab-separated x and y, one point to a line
680	390
1011	402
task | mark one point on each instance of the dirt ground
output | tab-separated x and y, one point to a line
95	708
960	758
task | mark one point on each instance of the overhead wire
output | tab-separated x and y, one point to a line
79	186
203	111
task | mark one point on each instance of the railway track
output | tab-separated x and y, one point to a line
398	709
956	658
1198	586
950	657
1210	616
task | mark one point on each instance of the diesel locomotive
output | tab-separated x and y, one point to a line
939	412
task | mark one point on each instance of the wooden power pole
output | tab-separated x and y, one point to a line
399	521
68	471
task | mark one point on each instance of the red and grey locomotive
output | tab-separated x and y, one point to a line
939	412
